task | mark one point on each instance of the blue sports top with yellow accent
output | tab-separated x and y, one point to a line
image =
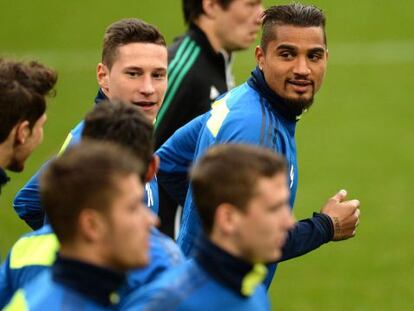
252	114
36	251
27	201
70	285
213	280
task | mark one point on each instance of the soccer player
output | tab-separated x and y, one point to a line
93	196
292	59
134	71
23	88
242	198
35	252
200	68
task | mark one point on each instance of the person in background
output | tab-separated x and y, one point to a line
200	70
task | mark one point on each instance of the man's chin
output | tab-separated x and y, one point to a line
15	167
300	103
149	114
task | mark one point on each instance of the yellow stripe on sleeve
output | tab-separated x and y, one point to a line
65	144
18	302
218	114
34	250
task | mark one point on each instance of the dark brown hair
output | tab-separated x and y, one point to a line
23	88
123	124
125	31
294	14
229	174
192	9
84	176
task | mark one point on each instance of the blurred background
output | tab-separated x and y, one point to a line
357	136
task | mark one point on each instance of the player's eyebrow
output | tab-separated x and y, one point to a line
285	46
317	50
142	69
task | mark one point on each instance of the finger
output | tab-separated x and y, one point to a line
340	196
357	214
351	206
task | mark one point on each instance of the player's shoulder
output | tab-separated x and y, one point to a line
237	116
164	249
35	248
169	291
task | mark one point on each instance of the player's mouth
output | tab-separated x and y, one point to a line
300	85
146	105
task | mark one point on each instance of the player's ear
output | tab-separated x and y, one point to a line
152	168
260	56
22	132
102	75
91	225
210	7
226	218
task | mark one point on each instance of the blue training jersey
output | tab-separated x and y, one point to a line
35	252
243	115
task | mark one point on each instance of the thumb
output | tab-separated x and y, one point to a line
340	196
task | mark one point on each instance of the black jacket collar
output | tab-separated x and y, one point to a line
234	273
258	82
98	284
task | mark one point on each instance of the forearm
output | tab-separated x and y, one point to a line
307	235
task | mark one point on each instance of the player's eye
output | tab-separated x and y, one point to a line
132	74
315	57
159	75
287	55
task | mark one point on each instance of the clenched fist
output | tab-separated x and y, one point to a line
344	215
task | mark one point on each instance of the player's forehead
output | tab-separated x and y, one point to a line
298	37
141	55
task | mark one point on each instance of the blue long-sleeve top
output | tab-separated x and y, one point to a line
250	114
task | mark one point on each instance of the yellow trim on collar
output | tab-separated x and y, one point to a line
253	279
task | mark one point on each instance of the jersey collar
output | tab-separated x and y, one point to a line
238	275
97	283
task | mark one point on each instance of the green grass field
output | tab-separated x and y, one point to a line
357	136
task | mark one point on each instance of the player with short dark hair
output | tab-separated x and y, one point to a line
133	71
242	197
121	123
23	88
93	196
264	111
